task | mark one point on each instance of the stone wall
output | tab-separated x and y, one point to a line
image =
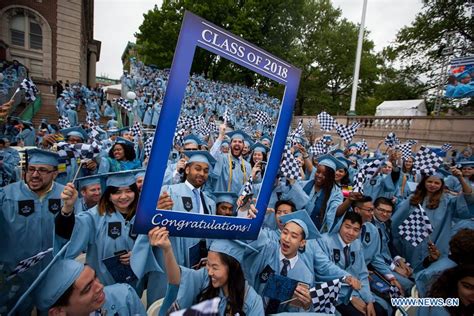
435	131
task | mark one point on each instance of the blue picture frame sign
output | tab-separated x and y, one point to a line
195	32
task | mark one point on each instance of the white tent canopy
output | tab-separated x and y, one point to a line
402	108
115	87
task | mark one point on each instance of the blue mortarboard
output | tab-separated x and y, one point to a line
463	75
266	137
200	156
123	141
140	173
346	162
191	139
260	148
124	129
327	138
441	173
74	131
337	153
304	221
120	179
467	163
89	180
233	248
352	145
42	157
229	197
239	134
60	276
112	131
225	143
330	161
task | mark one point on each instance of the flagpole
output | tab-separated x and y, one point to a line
355	82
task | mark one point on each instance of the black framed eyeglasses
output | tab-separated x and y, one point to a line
41	171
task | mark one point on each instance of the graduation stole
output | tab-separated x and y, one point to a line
242	166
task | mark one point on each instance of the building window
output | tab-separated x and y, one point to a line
23	27
17	30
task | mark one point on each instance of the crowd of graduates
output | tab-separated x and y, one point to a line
77	193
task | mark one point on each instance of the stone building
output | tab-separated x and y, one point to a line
54	39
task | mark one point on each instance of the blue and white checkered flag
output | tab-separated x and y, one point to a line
325	295
391	140
347	132
326	121
64	122
290	166
426	161
319	148
248	187
416	227
25	264
124	104
362	145
446	147
30	89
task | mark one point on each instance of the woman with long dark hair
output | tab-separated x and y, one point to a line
440	208
320	196
258	160
104	230
223	277
407	175
457	282
121	157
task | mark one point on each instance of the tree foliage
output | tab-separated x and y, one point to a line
311	34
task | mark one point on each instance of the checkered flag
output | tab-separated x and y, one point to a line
226	115
405	149
25	264
347	132
319	148
426	161
30	89
391	140
324	295
416	227
124	104
248	187
179	137
87	151
262	118
412	142
365	173
64	122
362	145
394	292
90	120
297	133
136	129
205	308
192	122
446	147
147	146
290	166
326	121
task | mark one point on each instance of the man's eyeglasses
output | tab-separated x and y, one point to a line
381	210
41	171
370	210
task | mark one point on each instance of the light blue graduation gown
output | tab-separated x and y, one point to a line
26	228
240	173
379	185
194	281
333	248
72	116
183	199
122	300
306	201
101	237
427	276
440	218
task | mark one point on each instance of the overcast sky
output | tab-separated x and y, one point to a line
116	21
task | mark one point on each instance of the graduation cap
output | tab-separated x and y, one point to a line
200	156
223	196
441	173
346	162
266	137
353	145
52	282
302	219
467	163
225	143
337	153
89	180
112	131
191	139
259	147
124	129
327	138
42	157
330	162
120	179
233	248
239	134
140	173
76	131
123	141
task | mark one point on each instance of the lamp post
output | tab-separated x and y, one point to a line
355	82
